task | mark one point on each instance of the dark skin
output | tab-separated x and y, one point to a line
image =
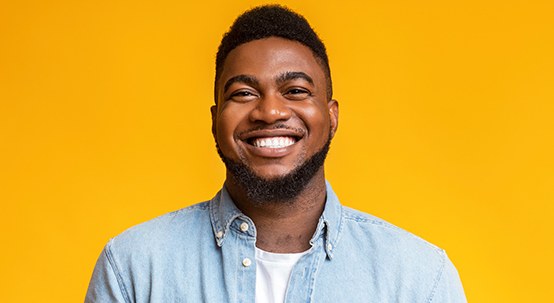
265	83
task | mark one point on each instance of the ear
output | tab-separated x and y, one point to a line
213	110
333	106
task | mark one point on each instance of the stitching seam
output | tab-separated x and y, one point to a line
117	274
438	278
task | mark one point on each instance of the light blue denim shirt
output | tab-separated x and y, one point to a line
201	254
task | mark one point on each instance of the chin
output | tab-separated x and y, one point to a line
272	187
272	174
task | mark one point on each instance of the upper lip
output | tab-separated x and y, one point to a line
278	132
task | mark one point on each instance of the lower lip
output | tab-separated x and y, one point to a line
269	152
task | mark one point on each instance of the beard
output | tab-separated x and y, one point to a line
282	189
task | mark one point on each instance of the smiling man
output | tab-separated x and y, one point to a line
276	232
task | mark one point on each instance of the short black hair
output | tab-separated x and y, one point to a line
272	21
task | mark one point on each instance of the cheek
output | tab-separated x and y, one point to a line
316	119
227	124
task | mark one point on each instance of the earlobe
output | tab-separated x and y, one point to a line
333	106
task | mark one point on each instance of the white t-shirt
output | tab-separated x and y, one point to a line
272	275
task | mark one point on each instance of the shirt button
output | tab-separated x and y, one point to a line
329	246
244	226
219	234
246	262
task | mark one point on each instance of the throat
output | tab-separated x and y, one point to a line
288	228
283	243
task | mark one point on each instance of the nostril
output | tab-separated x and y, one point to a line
270	110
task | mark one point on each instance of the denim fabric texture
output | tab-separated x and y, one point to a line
201	254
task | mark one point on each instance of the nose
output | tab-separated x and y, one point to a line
270	109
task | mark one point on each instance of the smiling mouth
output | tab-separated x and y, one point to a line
273	142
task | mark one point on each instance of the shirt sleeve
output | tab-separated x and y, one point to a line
449	287
105	284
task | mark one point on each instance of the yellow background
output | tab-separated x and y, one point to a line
446	129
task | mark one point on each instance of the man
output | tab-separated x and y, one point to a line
276	232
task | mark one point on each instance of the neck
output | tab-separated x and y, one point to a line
284	226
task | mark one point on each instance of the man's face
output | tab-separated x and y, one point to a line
272	114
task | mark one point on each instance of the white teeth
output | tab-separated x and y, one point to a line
274	142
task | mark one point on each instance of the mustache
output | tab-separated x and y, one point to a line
274	126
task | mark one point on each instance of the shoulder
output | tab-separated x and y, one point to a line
171	229
390	263
393	247
383	232
165	246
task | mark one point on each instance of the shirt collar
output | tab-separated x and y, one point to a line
223	212
330	222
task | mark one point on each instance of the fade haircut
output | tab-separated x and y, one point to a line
272	21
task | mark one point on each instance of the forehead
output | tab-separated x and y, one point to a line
266	58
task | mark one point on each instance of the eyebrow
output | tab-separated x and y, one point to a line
282	78
287	76
246	79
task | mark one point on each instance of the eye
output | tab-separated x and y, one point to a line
297	93
243	96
